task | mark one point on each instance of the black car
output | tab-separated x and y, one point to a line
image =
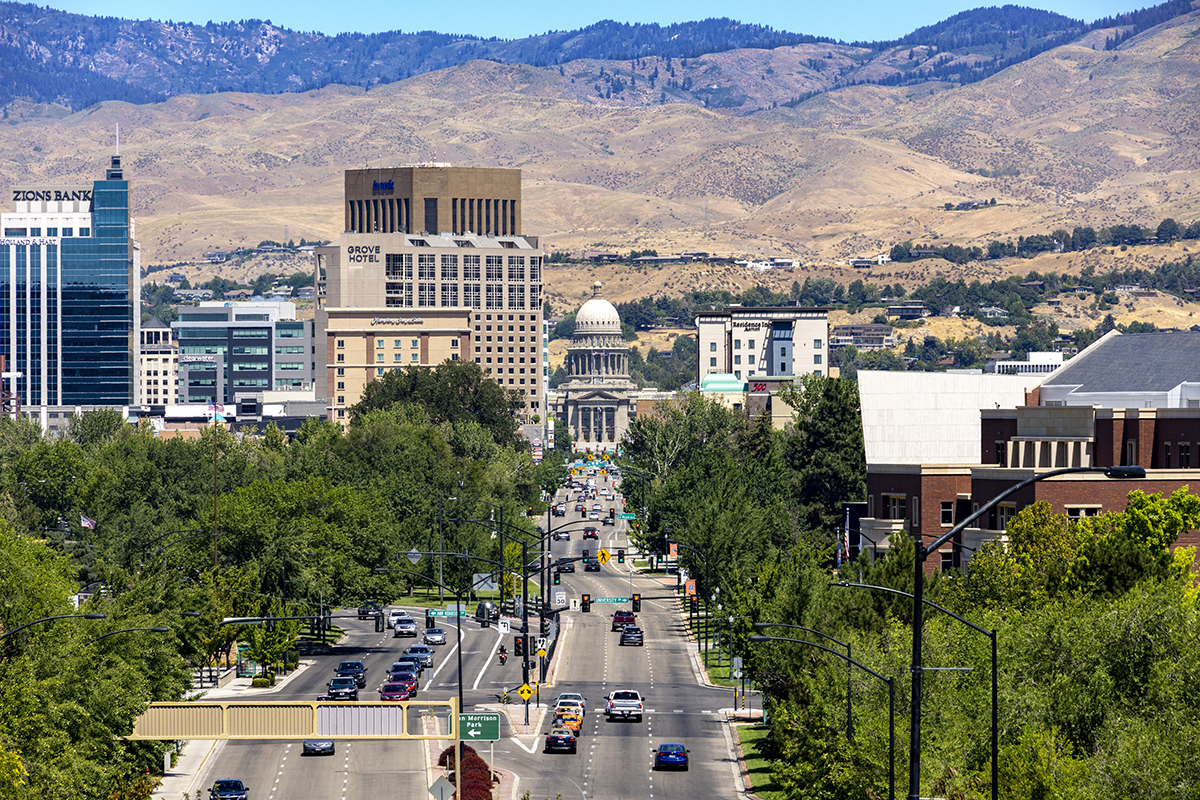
566	566
487	610
631	635
353	669
592	565
342	689
229	790
591	533
318	747
368	610
560	739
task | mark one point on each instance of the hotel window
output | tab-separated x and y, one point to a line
415	357
426	294
341	372
535	296
341	357
398	266
495	268
341	385
750	359
712	362
449	295
426	266
85	231
379	342
341	343
379	371
495	297
379	357
68	231
471	295
737	344
750	344
397	356
471	268
341	412
341	399
516	296
449	268
737	359
535	268
712	347
516	268
947	512
816	344
817	358
397	343
52	231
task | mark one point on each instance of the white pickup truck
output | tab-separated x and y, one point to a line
623	703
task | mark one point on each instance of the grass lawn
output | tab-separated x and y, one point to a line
758	767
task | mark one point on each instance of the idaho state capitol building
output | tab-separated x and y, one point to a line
432	266
596	402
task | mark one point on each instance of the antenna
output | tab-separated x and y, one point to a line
118	138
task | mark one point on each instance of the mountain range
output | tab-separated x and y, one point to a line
786	150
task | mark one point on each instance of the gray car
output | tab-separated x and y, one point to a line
405	626
434	636
422	652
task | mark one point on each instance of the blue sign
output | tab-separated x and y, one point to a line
383	186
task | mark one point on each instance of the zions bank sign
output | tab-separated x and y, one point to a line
52	194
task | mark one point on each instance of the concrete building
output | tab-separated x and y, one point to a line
1034	364
769	342
232	350
598	399
864	338
467	284
70	295
1135	370
158	365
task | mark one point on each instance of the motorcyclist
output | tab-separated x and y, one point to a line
503	654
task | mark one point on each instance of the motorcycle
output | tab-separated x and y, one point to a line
503	659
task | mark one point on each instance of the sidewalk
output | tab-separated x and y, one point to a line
196	754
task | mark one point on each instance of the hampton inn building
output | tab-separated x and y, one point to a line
432	266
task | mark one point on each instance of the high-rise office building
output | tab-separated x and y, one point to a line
432	266
70	306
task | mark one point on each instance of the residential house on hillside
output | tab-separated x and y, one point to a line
1128	400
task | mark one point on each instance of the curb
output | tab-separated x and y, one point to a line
748	787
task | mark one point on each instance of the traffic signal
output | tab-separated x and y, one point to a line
637	603
428	619
544	629
270	623
518	645
557	579
379	623
585	556
621	555
328	619
694	604
586	603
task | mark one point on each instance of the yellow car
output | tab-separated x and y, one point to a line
568	720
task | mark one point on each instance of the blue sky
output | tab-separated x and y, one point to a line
849	20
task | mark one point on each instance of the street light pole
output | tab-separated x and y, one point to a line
48	619
849	662
922	552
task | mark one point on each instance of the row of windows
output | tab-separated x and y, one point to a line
400	295
399	266
23	232
737	345
380	343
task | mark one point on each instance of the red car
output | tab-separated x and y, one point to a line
404	678
623	618
394	691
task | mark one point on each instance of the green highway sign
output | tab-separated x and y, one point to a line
626	515
610	599
479	727
447	613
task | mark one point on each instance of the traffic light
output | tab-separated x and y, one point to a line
379	623
621	555
518	645
544	629
694	603
586	603
585	556
270	623
428	619
328	619
557	579
637	603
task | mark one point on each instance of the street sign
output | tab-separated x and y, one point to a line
737	673
442	789
603	557
451	612
525	692
483	582
479	727
690	587
541	642
617	600
414	555
504	626
737	662
542	653
560	598
626	515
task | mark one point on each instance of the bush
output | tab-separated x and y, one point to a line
263	681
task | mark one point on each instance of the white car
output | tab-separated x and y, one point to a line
434	636
404	626
572	704
571	696
623	703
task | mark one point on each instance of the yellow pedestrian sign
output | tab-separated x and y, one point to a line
603	556
525	692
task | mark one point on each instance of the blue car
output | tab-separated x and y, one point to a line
671	756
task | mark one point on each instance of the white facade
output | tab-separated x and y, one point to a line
763	342
931	417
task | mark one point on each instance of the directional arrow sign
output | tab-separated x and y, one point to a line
617	600
479	727
525	691
626	515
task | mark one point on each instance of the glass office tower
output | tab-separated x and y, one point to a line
69	294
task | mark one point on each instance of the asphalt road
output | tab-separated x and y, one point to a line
614	758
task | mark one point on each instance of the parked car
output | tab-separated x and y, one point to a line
434	636
632	635
671	756
342	689
623	618
318	747
395	691
404	626
422	652
560	739
591	533
353	669
227	789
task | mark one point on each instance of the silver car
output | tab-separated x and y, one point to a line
422	652
405	626
434	636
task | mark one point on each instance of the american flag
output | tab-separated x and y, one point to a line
87	522
215	406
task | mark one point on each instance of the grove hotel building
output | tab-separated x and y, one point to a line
432	266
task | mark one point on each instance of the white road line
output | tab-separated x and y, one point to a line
488	661
445	660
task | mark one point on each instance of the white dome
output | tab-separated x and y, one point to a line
597	316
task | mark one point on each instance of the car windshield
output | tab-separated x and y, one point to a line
393	687
625	695
236	785
671	748
435	632
418	648
342	682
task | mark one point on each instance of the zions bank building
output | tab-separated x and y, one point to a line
69	294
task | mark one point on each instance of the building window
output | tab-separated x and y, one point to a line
471	295
397	356
1078	512
414	342
947	559
712	362
817	358
1167	456
516	297
341	357
398	266
1004	513
426	269
737	344
737	373
783	352
341	343
449	268
341	399
495	268
1185	455
916	511
379	342
341	412
750	360
341	372
415	357
1130	452
816	344
737	359
712	347
895	506
449	295
516	268
947	512
379	357
1001	454
341	385
471	269
783	368
379	372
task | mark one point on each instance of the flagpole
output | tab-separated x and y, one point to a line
215	408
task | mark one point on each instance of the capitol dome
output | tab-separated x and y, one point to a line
597	317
